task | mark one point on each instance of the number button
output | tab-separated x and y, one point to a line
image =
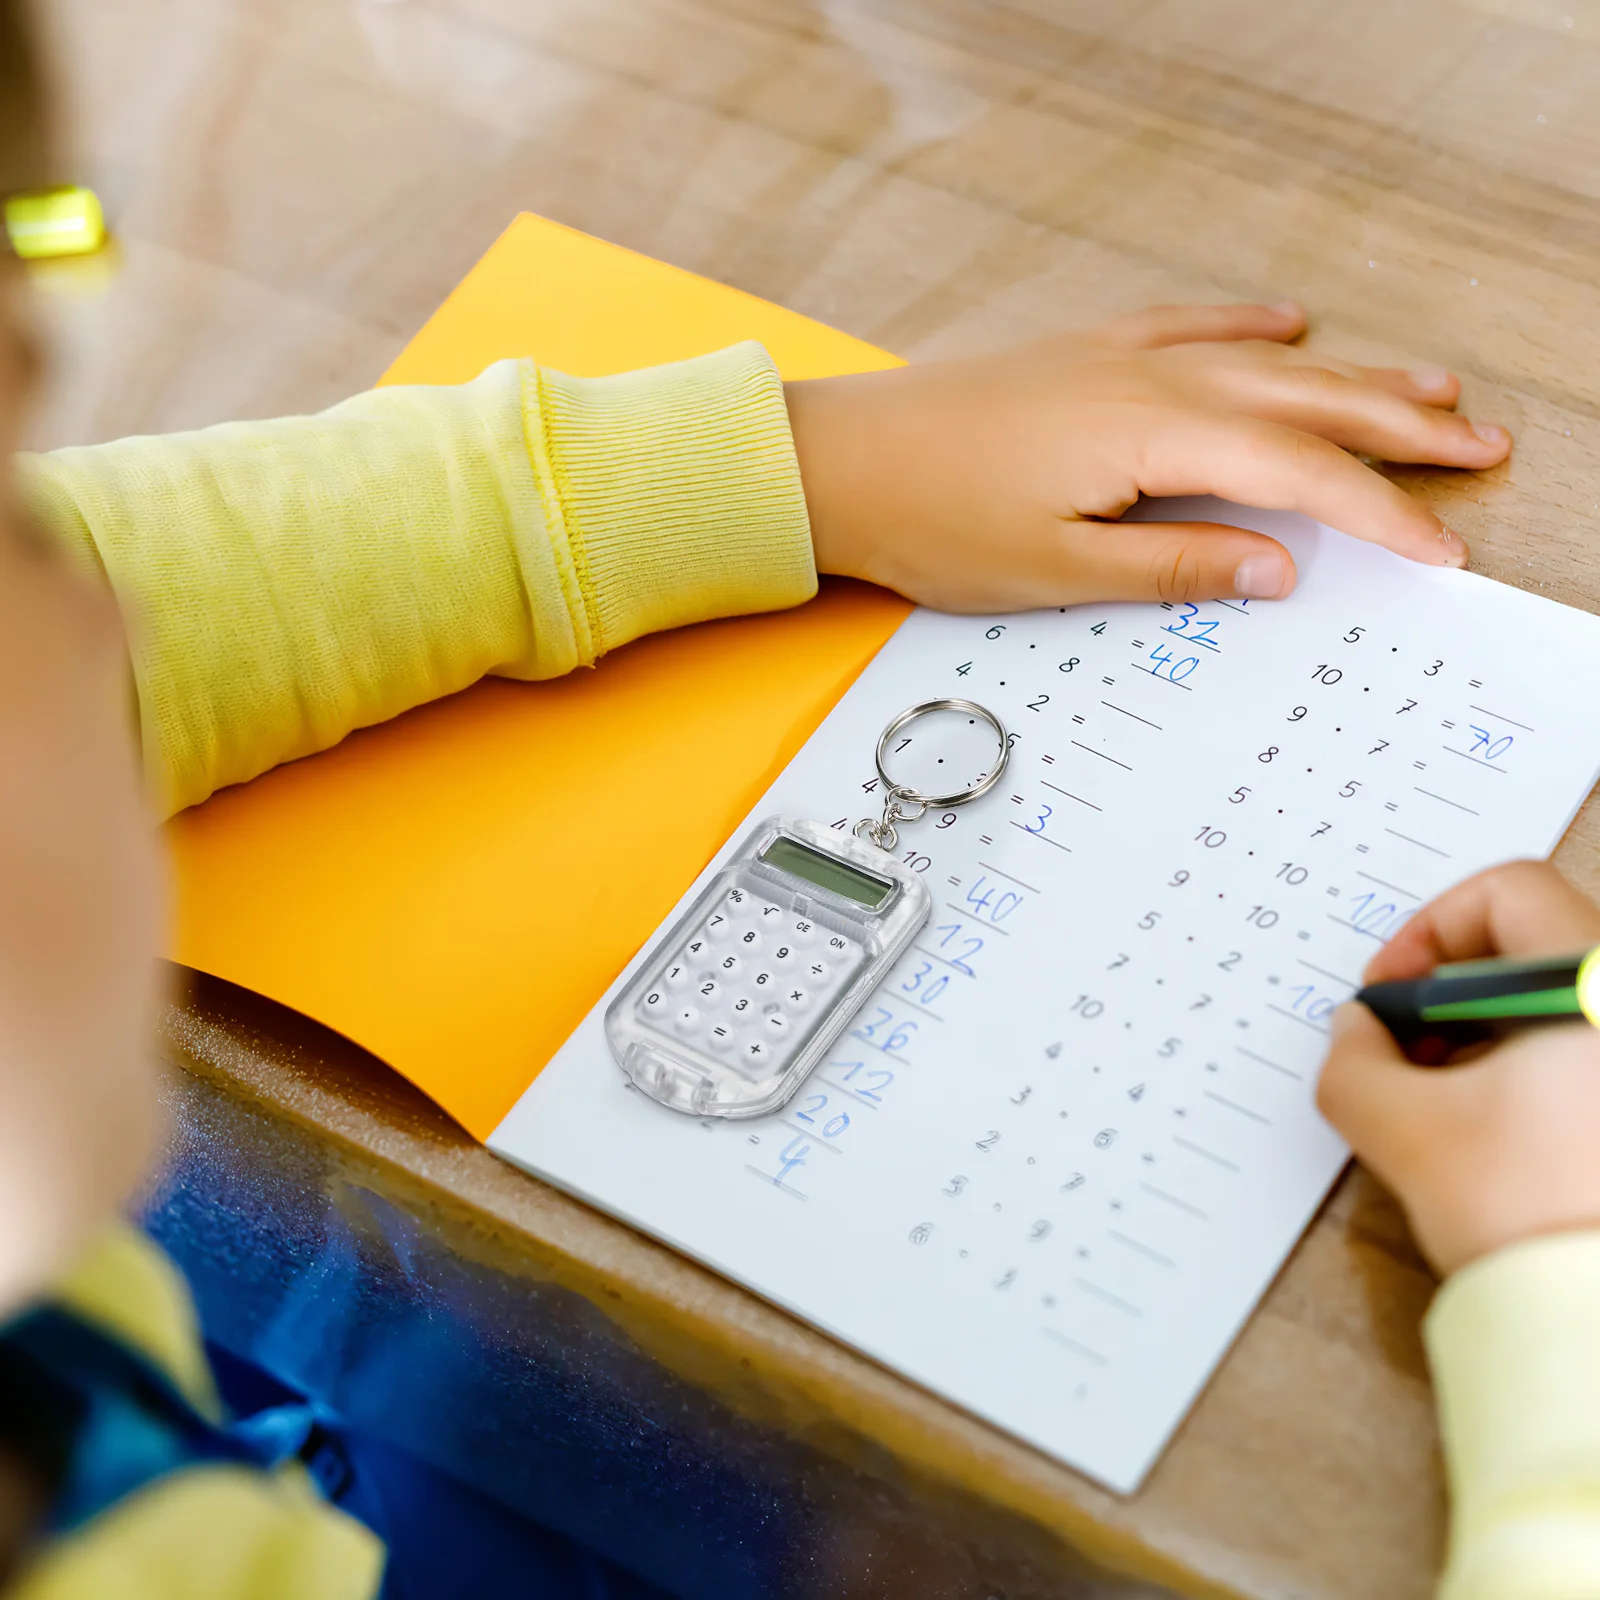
676	975
784	955
730	966
750	941
765	980
741	1005
695	949
720	926
709	990
654	1003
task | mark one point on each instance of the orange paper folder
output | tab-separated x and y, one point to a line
455	890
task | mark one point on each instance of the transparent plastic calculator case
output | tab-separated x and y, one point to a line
745	993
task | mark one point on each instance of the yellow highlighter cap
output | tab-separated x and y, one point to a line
1587	984
55	222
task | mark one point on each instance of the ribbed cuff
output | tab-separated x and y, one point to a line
678	490
1514	1343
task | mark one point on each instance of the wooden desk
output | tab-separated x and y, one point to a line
295	187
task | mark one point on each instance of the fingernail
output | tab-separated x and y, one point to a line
1287	308
1455	551
1260	577
1430	377
1491	433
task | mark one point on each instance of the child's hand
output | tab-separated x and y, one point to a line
976	485
1506	1146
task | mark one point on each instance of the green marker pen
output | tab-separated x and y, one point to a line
1470	1001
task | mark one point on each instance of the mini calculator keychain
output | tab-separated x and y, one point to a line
746	992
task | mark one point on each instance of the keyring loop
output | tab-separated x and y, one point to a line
936	802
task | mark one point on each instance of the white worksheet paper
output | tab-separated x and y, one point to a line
1060	1155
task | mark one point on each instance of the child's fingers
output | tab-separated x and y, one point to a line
1371	1094
1164	325
1170	561
1358	415
1525	908
1427	385
1267	464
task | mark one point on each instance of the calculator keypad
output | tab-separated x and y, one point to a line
749	981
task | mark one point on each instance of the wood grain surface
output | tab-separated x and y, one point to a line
295	184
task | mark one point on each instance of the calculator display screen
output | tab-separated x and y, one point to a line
827	872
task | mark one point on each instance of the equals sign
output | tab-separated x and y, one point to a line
955	883
1108	680
984	838
1421	766
1166	605
1077	719
1447	724
1474	683
1389	805
1016	799
1138	644
1049	761
1361	849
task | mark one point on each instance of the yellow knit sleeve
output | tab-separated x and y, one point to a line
1514	1343
287	582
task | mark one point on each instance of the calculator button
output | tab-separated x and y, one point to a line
777	1024
687	1019
676	975
737	897
796	998
784	954
817	971
654	1003
755	1051
837	945
722	1037
803	931
708	990
721	926
696	950
749	941
765	982
769	911
741	1005
729	966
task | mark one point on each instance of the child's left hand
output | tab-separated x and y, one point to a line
985	485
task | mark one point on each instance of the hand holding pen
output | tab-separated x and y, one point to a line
1506	1144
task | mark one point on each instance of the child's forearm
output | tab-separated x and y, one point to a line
1513	1342
287	582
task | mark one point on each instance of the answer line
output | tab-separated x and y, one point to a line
1109	1298
1242	610
1143	1249
1136	717
1366	933
777	1183
1078	1349
1311	966
1008	877
1446	800
934	956
1200	1150
1261	1061
872	1044
1420	844
1383	883
1172	1199
1484	711
1451	750
1233	1105
905	999
1038	833
815	1138
1070	795
988	927
1294	1016
1104	757
860	1099
1159	679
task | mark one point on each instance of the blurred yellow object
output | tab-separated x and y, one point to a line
55	222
